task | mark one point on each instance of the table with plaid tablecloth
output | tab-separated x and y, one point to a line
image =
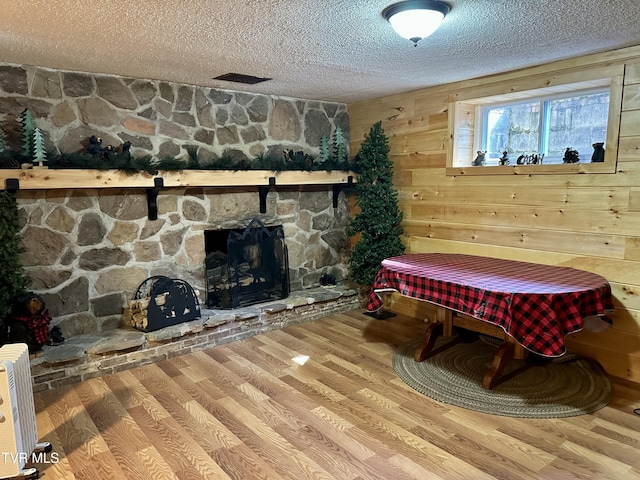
537	305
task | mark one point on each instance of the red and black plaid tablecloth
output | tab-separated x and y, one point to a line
538	305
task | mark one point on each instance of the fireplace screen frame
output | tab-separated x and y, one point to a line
256	268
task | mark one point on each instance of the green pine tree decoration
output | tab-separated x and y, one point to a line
325	153
39	150
379	220
339	149
14	279
28	129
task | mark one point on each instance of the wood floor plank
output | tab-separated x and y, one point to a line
265	443
131	393
249	410
118	430
325	452
58	466
411	468
184	456
253	350
154	464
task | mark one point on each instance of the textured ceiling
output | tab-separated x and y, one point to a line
334	50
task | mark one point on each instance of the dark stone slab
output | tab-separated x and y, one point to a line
63	354
116	341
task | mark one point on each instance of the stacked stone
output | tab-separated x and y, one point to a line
89	250
163	119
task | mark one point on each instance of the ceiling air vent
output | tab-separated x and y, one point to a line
240	78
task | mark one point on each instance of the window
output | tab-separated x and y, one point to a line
532	116
541	130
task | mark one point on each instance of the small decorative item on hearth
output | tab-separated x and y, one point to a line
28	322
161	302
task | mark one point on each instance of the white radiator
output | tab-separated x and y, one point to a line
18	431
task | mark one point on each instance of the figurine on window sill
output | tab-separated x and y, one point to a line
571	156
480	159
504	159
598	152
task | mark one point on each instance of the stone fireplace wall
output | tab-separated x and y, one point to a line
87	250
160	118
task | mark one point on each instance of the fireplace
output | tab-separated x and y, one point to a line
245	266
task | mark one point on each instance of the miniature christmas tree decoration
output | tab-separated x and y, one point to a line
28	129
339	150
325	154
40	152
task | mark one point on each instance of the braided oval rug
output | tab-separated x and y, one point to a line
564	387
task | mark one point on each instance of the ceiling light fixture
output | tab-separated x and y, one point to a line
416	19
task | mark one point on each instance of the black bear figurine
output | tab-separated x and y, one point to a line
480	159
598	152
28	322
571	156
95	145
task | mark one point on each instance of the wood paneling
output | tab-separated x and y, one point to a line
583	220
247	410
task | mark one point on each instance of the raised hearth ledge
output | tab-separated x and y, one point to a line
41	179
88	356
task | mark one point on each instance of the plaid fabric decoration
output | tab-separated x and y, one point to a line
38	324
538	305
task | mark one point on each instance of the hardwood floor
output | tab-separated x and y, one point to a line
247	410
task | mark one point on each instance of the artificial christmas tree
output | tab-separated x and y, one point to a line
14	280
378	221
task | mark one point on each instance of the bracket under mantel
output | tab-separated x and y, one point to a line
338	187
152	198
12	185
263	190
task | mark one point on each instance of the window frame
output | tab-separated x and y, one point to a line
544	117
463	119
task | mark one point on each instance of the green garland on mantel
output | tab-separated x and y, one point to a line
151	165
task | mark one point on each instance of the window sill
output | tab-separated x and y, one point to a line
570	168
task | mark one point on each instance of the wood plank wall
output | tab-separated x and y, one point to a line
586	221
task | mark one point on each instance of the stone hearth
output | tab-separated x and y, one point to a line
92	355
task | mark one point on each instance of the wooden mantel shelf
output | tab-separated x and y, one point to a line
48	179
45	179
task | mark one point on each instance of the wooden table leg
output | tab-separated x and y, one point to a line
508	351
445	324
503	356
434	330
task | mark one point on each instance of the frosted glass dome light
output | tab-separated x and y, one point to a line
415	19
